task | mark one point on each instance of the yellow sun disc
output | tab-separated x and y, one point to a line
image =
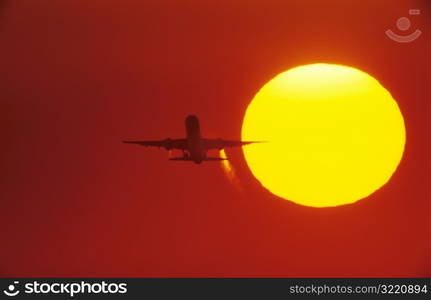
333	134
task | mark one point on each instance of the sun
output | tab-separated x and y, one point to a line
334	135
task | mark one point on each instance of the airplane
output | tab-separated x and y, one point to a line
194	147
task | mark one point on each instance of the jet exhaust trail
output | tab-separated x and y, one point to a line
229	169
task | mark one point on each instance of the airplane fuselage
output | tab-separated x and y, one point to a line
194	140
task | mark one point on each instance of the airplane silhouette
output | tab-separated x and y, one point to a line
194	147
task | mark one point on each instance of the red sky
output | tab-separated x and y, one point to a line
80	76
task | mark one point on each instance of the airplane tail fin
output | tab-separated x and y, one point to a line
189	159
180	158
214	158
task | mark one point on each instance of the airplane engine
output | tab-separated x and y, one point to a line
220	143
168	145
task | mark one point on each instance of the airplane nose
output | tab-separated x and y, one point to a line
191	119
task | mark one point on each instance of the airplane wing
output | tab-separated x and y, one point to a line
221	144
168	144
